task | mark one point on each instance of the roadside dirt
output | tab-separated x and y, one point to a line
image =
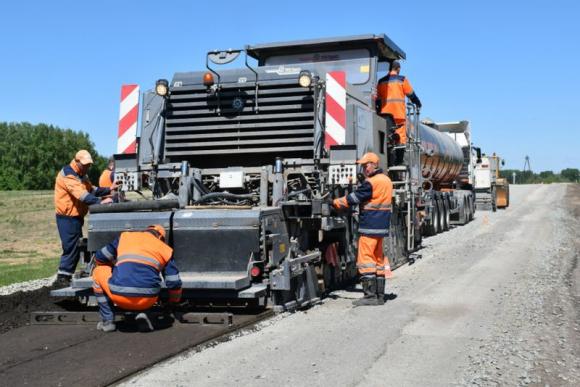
560	342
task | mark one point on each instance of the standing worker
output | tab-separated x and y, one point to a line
391	91
127	274
73	193
107	179
374	199
108	176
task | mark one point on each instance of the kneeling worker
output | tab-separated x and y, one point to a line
374	199
127	275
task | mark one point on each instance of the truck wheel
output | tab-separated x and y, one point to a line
441	214
395	246
494	200
463	212
471	208
436	217
419	232
446	216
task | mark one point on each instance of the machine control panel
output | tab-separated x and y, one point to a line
342	174
129	181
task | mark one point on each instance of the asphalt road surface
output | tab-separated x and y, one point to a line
495	302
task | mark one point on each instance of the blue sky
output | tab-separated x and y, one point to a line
511	68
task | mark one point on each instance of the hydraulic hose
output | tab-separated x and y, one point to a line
143	205
295	193
224	195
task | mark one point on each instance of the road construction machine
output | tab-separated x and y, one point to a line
492	191
242	163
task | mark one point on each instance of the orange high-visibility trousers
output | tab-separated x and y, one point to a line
370	260
101	276
401	131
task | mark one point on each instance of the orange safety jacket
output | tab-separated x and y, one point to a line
74	193
374	199
138	259
392	91
106	179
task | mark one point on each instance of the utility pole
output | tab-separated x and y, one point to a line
527	172
527	163
513	177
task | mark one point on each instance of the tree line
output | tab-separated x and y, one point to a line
32	155
568	175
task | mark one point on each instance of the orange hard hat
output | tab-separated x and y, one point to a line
159	229
369	157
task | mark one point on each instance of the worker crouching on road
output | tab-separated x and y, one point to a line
73	193
374	199
127	275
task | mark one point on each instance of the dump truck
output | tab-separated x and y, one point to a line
240	166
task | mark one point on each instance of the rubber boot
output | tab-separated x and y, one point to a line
370	289
381	290
106	326
143	323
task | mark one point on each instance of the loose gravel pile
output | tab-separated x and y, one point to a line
27	286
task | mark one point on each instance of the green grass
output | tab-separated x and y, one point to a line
29	242
12	273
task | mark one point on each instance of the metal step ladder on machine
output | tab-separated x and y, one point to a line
407	177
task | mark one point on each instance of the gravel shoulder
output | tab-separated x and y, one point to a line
495	302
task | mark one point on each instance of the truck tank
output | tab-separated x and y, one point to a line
441	157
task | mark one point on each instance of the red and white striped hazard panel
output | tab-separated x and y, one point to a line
129	112
335	131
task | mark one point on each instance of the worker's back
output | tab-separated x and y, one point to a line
392	91
106	178
140	258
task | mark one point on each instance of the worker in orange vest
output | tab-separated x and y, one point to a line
108	176
392	90
73	193
373	197
128	275
107	179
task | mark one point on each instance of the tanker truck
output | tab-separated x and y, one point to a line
437	190
240	165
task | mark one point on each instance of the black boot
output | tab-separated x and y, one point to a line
381	290
370	289
61	281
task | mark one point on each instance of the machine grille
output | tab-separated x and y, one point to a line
228	125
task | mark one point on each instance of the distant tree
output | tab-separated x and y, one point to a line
32	155
571	174
508	174
546	177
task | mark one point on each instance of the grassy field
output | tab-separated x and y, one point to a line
29	242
